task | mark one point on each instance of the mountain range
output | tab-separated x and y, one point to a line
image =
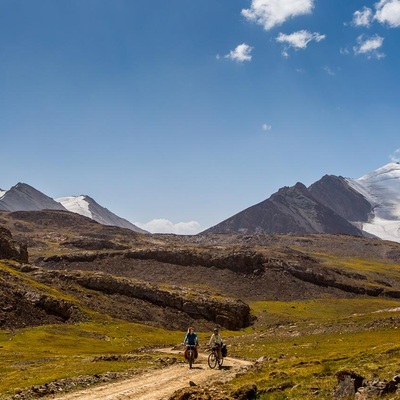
23	197
368	206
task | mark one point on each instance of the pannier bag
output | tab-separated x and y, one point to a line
224	350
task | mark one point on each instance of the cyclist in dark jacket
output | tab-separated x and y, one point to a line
192	340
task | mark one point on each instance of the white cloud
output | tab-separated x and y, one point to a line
270	13
369	46
388	12
395	157
329	71
298	40
241	53
266	127
165	226
363	17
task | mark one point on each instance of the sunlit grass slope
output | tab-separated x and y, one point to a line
34	356
303	345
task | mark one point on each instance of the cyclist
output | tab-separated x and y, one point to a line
191	340
216	341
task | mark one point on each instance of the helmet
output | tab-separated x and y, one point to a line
215	329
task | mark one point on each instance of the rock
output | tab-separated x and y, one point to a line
352	385
348	384
11	249
247	392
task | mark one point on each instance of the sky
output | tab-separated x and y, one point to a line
179	114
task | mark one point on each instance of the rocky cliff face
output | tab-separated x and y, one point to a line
195	304
292	210
10	249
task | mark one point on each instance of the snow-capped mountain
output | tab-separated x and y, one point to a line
381	188
23	197
88	207
368	206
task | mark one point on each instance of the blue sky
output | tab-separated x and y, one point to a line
187	112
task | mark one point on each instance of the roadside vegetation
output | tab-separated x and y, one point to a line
299	347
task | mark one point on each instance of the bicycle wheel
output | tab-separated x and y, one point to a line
212	360
190	359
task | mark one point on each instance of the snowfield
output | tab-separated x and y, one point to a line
382	189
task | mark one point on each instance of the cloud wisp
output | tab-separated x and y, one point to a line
298	40
241	53
271	13
165	226
395	157
363	17
369	46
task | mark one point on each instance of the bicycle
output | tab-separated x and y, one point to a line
190	353
214	360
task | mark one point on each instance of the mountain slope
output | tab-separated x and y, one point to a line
292	210
88	207
368	206
23	197
337	194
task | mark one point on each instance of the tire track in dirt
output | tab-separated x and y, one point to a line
160	384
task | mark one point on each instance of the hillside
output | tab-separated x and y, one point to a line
368	206
108	290
247	267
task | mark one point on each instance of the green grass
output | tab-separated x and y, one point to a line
321	310
308	362
361	265
38	355
306	343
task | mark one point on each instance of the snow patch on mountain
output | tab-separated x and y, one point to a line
88	207
382	189
76	204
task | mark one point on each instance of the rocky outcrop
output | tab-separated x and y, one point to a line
11	249
23	304
241	261
332	277
244	261
355	386
228	313
60	308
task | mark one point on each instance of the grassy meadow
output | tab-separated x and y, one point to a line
302	343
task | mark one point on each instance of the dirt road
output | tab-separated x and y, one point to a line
160	383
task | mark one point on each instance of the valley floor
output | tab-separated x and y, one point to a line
161	384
